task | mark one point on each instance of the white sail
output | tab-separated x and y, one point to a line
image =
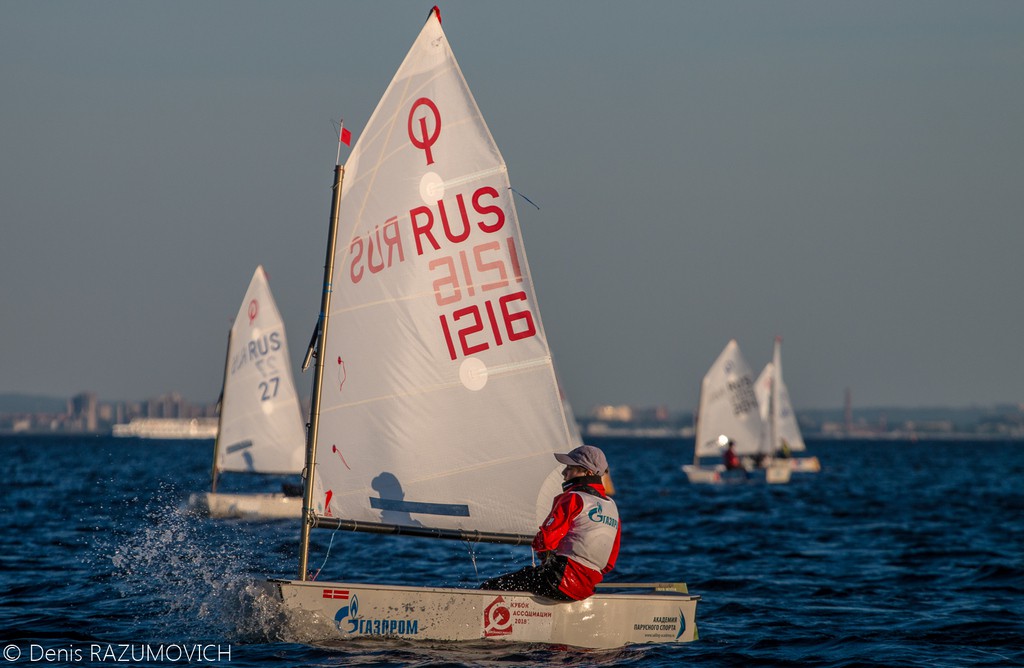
261	426
439	406
787	429
776	410
728	406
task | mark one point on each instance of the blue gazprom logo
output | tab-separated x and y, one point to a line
596	515
343	612
347	620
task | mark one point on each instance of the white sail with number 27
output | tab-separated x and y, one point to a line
260	429
436	409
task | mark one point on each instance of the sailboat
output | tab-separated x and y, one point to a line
728	412
781	429
260	426
435	409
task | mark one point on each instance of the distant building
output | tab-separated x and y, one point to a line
82	410
83	413
613	413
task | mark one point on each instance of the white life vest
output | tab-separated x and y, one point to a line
592	535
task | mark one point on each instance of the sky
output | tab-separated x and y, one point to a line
846	175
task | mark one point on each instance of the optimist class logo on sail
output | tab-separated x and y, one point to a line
425	140
461	241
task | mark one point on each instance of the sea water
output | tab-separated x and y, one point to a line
895	554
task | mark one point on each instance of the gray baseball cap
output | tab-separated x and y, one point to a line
587	456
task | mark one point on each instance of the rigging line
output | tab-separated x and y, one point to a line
524	197
327	555
472	556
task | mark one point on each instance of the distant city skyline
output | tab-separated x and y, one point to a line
845	175
602	411
174	416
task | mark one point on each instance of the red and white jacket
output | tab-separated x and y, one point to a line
584	527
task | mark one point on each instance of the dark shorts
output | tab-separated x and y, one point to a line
541	580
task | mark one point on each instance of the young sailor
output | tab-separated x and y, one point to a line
730	459
579	539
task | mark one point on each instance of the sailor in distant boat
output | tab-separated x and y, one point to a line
579	539
730	458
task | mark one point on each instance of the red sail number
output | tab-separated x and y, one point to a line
476	332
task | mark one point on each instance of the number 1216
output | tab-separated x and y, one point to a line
475	331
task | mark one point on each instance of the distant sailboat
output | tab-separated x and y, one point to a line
782	432
436	409
260	427
728	411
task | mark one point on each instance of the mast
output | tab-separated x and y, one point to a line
774	395
220	416
773	404
309	517
696	431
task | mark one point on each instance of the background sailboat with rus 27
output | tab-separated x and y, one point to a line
435	408
781	429
260	426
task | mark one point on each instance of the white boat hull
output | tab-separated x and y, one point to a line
319	612
776	474
805	464
167	428
702	475
247	506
